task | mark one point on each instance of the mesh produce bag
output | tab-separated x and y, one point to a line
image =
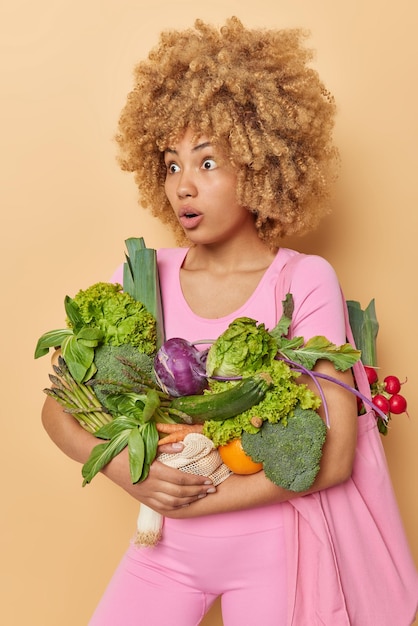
199	456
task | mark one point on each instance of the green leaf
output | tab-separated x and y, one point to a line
128	404
102	454
152	403
289	344
115	427
282	327
319	347
141	281
136	448
365	327
73	313
90	372
51	339
150	437
79	358
90	337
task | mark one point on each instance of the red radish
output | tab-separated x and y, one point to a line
371	374
382	403
397	404
392	384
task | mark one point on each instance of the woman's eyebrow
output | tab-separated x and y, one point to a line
199	146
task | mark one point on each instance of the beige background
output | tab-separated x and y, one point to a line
66	210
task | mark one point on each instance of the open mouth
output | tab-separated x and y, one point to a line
190	219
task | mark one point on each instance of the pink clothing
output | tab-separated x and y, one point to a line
175	583
316	282
348	563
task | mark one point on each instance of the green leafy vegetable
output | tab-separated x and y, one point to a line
282	327
100	314
278	403
316	348
342	357
121	318
103	453
136	450
244	348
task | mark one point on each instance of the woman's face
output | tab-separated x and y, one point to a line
201	188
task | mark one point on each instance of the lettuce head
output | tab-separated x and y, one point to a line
244	348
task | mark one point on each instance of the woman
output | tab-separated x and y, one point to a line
228	133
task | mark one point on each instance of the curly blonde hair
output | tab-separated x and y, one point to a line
251	92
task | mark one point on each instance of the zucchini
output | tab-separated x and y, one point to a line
225	404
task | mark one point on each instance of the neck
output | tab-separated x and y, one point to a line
238	254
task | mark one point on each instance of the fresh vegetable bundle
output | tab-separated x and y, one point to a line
386	396
118	377
104	375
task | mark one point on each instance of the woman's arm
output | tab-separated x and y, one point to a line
179	495
164	490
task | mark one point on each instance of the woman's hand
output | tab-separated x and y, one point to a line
165	490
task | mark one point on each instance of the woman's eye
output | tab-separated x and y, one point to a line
172	168
209	164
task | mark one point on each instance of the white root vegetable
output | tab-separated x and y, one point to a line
149	527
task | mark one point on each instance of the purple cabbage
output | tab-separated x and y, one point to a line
179	368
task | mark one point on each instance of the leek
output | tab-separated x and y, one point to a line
141	281
149	527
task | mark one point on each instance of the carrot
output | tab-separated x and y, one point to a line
176	432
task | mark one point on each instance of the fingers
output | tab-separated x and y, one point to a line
171	448
167	489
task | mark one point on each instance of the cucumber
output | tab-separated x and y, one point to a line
225	404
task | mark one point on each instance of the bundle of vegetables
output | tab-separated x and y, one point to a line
386	396
128	387
104	375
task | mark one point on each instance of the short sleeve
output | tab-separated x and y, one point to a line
318	300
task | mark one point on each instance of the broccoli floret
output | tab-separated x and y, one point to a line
111	368
290	453
121	318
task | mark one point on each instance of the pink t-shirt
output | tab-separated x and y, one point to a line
314	286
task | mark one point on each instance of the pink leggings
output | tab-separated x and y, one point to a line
176	582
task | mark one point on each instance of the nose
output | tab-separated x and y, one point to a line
186	187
